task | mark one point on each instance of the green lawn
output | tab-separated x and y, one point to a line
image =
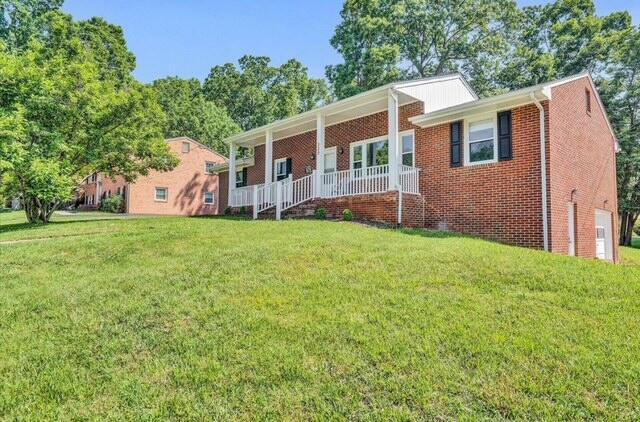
219	318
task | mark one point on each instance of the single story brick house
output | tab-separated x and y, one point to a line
429	153
189	189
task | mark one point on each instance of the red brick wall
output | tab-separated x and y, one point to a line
378	208
223	189
581	160
187	184
413	211
499	201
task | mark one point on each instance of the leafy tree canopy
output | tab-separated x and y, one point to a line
256	93
561	39
22	19
69	107
621	92
189	113
383	41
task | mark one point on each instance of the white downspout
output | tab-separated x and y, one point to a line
543	172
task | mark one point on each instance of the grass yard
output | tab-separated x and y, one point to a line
220	318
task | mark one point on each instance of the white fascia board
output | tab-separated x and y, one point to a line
338	106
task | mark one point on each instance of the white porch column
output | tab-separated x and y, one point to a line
232	172
393	140
320	124
268	157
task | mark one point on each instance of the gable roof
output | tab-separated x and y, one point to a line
200	144
369	102
504	102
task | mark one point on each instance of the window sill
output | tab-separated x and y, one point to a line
481	163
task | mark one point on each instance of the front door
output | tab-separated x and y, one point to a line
330	160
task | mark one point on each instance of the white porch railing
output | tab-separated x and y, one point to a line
288	193
297	191
409	179
265	196
355	182
241	197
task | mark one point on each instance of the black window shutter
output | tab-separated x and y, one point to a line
289	166
504	136
456	144
244	176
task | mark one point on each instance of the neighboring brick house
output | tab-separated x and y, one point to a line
430	153
189	189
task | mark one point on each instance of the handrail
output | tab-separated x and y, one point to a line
266	196
297	191
367	180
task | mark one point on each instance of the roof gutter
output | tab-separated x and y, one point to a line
543	172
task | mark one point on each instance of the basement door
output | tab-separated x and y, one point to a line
604	235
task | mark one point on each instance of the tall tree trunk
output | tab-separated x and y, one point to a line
30	209
627	223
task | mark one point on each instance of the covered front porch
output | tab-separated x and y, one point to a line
376	165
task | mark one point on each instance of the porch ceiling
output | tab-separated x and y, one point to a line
351	108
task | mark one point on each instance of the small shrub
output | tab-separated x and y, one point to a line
228	211
321	213
347	215
243	210
114	204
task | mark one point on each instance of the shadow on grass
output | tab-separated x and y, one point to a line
434	234
29	226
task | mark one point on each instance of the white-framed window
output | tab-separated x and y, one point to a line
330	160
280	169
209	198
162	194
480	144
186	147
408	143
375	152
357	156
241	178
369	153
209	167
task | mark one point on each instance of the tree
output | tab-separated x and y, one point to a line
561	39
383	41
190	114
63	116
22	19
257	93
365	40
621	92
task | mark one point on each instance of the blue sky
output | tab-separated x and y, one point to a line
187	37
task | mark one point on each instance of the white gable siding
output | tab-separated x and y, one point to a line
440	94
